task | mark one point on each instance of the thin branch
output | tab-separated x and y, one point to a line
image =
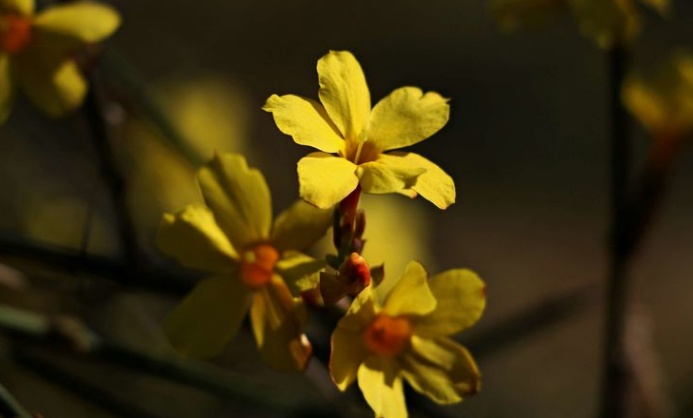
10	406
73	262
615	379
110	172
139	95
68	334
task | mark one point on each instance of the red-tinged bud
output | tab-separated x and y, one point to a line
355	274
15	33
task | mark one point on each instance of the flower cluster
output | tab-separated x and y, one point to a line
37	52
608	22
396	329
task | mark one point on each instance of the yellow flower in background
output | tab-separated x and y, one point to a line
352	138
35	52
404	335
608	22
664	103
254	264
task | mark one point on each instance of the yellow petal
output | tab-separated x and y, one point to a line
300	226
461	297
278	328
361	312
56	90
440	369
299	271
407	116
239	198
645	104
348	352
664	102
193	237
411	294
306	121
209	317
82	22
23	7
435	185
6	88
388	174
344	92
324	180
382	387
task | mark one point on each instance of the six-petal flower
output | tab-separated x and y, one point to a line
353	139
406	337
255	265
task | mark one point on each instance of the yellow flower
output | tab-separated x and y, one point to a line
607	22
384	339
35	52
253	264
664	103
344	124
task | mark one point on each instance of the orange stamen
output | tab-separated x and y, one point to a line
388	335
15	33
257	265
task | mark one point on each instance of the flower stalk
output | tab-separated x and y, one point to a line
111	174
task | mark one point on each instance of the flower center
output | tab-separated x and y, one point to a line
388	335
359	152
257	265
15	33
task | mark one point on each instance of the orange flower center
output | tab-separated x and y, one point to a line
388	335
15	33
257	265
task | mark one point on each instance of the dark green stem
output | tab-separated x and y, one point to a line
615	378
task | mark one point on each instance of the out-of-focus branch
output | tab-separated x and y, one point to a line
615	376
139	96
528	322
74	262
68	335
110	172
10	406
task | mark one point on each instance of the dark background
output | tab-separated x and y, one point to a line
526	144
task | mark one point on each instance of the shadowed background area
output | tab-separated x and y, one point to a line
526	144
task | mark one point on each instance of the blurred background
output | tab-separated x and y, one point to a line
526	144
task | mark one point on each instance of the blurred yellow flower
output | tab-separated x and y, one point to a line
608	22
406	337
344	124
254	263
664	103
35	52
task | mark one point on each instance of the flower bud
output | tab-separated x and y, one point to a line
355	274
